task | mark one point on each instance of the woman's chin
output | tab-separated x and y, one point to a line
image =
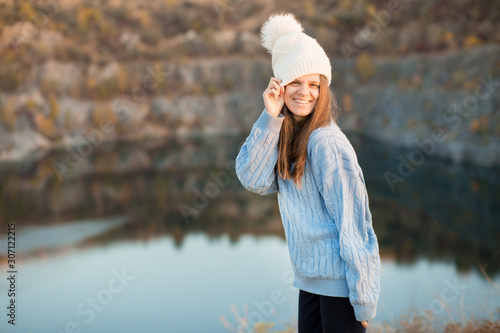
301	113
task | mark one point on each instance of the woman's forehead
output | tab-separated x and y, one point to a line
308	78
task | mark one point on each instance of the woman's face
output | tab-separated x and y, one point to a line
301	95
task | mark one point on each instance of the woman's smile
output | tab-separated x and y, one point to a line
302	102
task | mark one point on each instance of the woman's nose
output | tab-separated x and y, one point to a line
303	90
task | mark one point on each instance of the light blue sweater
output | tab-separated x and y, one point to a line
327	223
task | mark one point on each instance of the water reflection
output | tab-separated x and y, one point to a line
440	212
34	238
118	212
152	286
155	286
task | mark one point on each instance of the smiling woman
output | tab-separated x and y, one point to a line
297	150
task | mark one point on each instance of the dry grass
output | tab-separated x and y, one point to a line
406	324
423	326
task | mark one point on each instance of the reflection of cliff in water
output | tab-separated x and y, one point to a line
440	211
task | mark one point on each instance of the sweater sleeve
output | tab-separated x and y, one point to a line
256	161
341	184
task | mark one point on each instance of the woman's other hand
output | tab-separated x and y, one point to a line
274	97
364	323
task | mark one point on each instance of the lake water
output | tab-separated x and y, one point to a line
163	238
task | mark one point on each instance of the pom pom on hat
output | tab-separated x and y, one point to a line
294	54
275	27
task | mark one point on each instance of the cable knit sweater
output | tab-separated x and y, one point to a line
327	222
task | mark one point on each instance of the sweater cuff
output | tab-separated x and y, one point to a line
365	312
271	123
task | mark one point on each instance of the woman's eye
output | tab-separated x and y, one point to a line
314	86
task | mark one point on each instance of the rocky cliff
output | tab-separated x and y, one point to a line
77	74
440	104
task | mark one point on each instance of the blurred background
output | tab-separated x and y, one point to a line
120	122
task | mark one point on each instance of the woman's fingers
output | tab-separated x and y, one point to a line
271	92
275	83
273	79
277	89
364	323
273	97
274	88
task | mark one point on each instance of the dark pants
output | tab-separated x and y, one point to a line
325	314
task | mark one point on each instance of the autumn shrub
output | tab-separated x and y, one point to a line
350	13
107	88
471	41
26	10
71	53
480	125
209	44
30	104
11	76
103	114
7	14
347	102
45	125
105	163
365	67
211	89
67	120
86	17
8	114
150	36
106	32
142	18
53	108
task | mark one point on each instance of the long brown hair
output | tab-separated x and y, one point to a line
292	142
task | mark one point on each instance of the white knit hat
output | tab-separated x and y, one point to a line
294	53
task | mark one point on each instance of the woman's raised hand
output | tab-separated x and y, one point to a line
274	97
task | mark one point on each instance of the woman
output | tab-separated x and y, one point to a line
296	149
